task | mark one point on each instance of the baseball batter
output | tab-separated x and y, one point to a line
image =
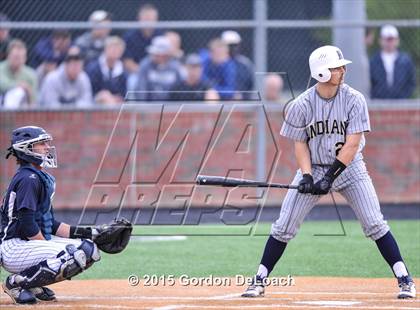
327	124
37	249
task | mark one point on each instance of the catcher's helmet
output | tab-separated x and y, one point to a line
23	139
324	58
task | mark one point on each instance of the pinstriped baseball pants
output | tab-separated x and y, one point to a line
18	254
354	184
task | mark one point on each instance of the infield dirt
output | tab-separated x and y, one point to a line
306	293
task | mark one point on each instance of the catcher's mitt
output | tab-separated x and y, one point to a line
113	237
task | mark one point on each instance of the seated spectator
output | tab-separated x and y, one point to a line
4	38
52	47
273	87
92	43
68	84
244	66
220	70
18	84
158	72
49	65
392	72
176	43
137	40
107	74
192	88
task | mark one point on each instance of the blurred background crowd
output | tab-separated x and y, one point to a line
101	65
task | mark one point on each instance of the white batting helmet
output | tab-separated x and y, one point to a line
324	58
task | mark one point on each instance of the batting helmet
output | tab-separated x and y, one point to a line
324	58
24	138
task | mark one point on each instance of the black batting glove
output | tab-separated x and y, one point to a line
306	184
323	186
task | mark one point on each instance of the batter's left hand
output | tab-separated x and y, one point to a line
323	186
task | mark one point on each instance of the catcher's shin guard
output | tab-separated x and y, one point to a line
73	261
91	251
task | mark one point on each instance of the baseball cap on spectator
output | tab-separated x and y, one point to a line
231	37
389	31
160	46
73	54
99	16
193	60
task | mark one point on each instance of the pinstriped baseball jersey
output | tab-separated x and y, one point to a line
324	123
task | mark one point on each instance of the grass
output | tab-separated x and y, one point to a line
352	255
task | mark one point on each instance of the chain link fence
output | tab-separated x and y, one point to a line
292	29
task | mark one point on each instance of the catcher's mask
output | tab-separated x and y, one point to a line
22	142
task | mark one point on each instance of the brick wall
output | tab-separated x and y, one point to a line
151	155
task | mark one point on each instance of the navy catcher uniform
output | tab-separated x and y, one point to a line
327	124
35	248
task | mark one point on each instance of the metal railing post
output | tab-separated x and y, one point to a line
260	59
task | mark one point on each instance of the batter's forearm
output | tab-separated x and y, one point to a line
349	149
303	157
347	154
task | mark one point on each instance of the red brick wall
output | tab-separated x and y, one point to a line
173	146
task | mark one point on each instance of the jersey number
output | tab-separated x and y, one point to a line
338	147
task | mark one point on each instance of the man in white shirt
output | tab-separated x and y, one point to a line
392	72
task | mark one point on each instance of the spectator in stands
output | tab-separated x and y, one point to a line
68	84
4	37
49	65
92	43
52	47
244	66
18	84
220	70
273	87
176	43
392	72
158	72
107	74
193	88
137	40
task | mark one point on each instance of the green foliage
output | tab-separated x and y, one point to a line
393	9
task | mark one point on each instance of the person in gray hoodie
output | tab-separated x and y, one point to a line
68	84
158	72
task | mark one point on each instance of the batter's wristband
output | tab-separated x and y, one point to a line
336	169
80	232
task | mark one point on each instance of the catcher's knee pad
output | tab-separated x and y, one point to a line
91	251
73	261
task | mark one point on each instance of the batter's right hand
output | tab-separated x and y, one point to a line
306	184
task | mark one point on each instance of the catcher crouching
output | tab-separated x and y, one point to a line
35	248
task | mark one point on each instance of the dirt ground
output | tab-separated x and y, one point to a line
305	293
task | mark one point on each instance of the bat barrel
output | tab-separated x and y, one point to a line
233	182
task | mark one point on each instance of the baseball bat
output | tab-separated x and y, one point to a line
233	182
